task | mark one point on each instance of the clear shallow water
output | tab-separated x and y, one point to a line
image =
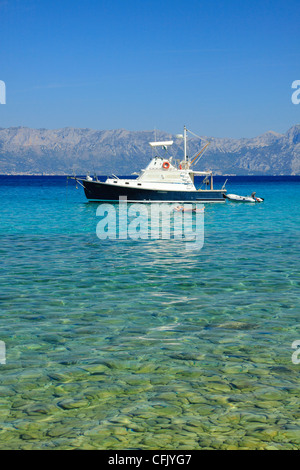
142	344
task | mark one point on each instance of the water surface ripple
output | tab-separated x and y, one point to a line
142	344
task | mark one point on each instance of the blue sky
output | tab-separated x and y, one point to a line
223	68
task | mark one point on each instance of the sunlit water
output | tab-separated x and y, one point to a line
142	344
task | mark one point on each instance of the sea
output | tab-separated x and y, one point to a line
132	343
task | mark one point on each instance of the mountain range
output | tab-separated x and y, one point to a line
81	151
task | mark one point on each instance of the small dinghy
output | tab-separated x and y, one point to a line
236	198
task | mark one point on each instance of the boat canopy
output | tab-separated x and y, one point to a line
161	144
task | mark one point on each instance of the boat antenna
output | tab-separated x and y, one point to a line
184	141
152	149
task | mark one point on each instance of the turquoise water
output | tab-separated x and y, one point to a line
142	344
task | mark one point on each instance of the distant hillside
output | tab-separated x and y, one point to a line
68	150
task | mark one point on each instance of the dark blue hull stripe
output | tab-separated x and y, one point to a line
97	191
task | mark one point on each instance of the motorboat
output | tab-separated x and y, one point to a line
165	179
